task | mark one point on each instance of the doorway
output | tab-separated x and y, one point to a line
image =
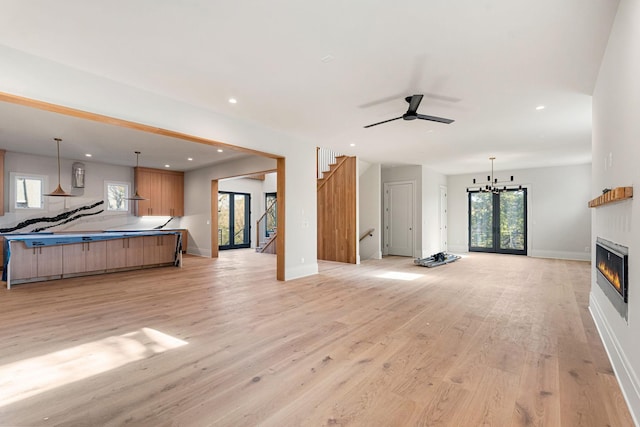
234	218
399	202
498	222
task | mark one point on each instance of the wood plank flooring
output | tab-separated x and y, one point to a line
491	340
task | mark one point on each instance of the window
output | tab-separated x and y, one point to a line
116	194
27	191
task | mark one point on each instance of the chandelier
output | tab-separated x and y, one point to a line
493	185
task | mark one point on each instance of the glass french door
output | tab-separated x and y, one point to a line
234	218
498	222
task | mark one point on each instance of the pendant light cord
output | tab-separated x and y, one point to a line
58	144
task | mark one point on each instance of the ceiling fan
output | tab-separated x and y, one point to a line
412	113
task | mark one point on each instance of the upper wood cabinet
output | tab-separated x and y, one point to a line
164	191
2	182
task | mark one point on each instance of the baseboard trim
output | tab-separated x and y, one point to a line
575	256
458	249
197	252
298	272
623	370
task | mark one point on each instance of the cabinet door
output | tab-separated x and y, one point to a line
151	250
95	256
23	260
135	251
149	185
73	258
117	253
168	248
49	261
172	195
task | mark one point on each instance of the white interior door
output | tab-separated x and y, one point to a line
443	218
399	218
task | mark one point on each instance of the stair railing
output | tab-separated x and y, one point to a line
325	159
369	232
262	223
338	165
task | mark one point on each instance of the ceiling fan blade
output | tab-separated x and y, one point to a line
386	121
414	102
435	119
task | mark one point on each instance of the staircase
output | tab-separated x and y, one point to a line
268	245
337	234
266	231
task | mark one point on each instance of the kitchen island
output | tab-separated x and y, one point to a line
39	257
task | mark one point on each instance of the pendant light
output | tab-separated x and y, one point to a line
136	196
59	192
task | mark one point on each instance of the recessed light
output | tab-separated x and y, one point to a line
87	155
190	159
352	144
219	150
233	101
167	166
540	107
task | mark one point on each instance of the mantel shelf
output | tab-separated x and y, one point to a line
615	195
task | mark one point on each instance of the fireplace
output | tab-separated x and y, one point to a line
612	268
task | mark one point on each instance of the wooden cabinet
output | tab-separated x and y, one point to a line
27	262
172	203
124	253
159	249
164	191
2	182
84	257
91	255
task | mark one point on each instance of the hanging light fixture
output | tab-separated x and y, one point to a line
492	183
136	196
59	192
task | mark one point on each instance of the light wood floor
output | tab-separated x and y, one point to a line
490	340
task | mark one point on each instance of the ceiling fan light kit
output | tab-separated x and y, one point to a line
493	185
59	192
412	113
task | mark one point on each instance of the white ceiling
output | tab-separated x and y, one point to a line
29	130
322	70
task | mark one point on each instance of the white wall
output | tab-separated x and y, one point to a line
558	218
431	183
93	191
197	197
407	173
369	215
616	150
270	185
254	188
38	78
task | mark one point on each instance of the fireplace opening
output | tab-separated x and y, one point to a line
612	267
